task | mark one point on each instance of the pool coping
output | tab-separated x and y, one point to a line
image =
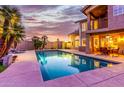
90	56
86	55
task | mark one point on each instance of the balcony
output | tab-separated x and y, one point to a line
99	23
97	18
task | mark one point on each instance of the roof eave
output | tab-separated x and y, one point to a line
83	20
84	8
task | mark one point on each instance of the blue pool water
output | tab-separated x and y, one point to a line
55	64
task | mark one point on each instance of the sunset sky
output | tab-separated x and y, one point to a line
55	21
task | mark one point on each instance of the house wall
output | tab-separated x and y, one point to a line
114	22
63	45
60	45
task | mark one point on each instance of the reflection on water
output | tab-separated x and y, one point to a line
41	57
56	64
85	63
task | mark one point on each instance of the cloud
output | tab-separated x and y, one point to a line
58	28
36	8
28	18
55	13
52	20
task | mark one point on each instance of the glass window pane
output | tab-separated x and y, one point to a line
118	10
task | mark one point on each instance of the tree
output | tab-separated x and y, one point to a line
10	14
40	42
19	34
37	42
13	31
44	39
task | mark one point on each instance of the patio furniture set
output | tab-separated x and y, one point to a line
108	51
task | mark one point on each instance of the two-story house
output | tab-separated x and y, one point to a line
82	34
104	27
74	39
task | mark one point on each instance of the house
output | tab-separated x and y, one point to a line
104	27
82	33
74	39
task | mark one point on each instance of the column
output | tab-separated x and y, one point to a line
92	44
87	43
93	25
73	41
100	41
88	21
58	46
80	34
99	23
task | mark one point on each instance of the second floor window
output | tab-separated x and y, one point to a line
84	26
118	10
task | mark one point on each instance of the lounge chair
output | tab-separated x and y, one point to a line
9	59
16	51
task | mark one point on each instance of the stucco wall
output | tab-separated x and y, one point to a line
25	45
28	45
54	45
114	22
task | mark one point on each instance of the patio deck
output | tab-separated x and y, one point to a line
25	72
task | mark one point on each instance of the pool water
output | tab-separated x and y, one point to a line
55	64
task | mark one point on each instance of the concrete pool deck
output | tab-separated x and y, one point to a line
25	72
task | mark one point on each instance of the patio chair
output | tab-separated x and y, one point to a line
101	50
116	51
104	51
9	59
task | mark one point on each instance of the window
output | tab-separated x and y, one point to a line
84	26
83	42
95	24
118	10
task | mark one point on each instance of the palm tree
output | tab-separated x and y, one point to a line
15	36
5	12
12	29
44	39
37	42
40	42
19	34
8	13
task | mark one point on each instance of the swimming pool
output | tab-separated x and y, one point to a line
55	64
